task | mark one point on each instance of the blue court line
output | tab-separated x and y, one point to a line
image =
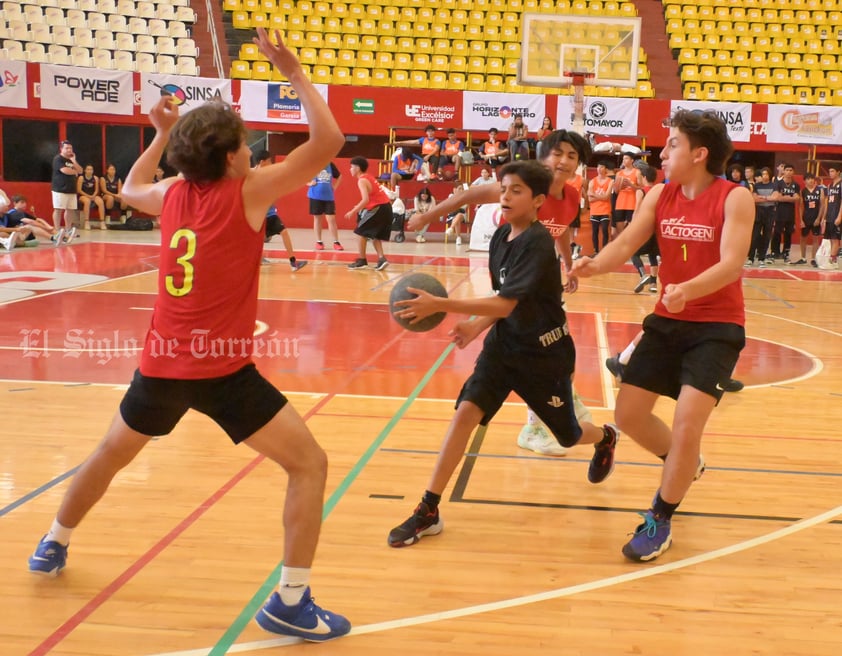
770	295
38	491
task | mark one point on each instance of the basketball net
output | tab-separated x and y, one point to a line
578	79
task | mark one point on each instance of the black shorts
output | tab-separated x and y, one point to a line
404	176
241	403
377	225
622	216
545	384
576	223
831	230
673	353
274	225
599	218
322	207
809	227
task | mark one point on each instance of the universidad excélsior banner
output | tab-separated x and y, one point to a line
804	125
88	90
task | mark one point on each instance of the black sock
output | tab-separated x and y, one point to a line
431	499
641	271
661	509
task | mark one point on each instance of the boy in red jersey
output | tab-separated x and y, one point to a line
207	296
692	340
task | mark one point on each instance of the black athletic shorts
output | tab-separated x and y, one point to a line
545	384
376	225
813	227
274	225
241	403
318	207
621	216
673	353
831	230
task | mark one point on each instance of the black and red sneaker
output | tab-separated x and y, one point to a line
602	463
422	522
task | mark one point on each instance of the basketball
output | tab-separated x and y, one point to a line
422	281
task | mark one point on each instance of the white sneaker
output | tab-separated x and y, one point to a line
537	439
458	241
58	238
420	239
9	242
449	232
70	236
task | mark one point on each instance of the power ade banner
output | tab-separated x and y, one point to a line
187	92
13	84
485	110
804	125
273	102
606	116
88	90
737	116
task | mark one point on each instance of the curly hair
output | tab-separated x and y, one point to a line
705	129
201	140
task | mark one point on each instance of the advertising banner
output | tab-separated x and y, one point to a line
484	110
88	90
13	84
606	116
737	116
273	102
186	92
804	125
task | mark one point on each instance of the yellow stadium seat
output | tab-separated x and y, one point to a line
424	45
425	14
740	58
730	92
332	24
494	83
475	82
403	60
439	31
240	70
645	90
340	10
333	40
241	20
785	95
400	79
745	75
381	77
691	91
458	64
421	61
375	12
277	22
250	52
297	21
361	77
341	75
351	41
804	95
261	70
477	48
383	59
294	39
722	58
726	74
767	94
350	25
833	79
762	76
689	73
321	75
438	80
816	78
748	93
439	63
774	59
346	57
232	5
418	79
512	86
828	63
798	77
476	65
810	62
307	55
780	76
314	39
365	59
368	42
456	81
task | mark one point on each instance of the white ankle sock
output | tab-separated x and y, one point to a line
294	580
59	533
625	356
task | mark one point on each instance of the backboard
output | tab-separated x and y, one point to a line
557	45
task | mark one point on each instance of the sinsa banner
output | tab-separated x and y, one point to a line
13	84
606	116
804	125
89	90
737	116
186	92
273	102
483	110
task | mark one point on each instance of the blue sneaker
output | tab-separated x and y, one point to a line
306	620
650	539
49	558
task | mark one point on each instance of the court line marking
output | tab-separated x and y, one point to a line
549	595
603	352
796	322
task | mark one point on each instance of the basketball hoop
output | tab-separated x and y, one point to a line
578	78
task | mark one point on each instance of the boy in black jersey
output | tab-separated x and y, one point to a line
814	204
528	348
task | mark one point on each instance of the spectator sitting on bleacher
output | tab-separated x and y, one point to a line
430	148
518	138
451	151
485	177
405	165
492	151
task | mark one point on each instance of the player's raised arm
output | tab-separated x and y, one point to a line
477	195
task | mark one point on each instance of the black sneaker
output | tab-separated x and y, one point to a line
421	523
602	463
814	264
733	386
382	263
801	261
359	263
644	280
616	367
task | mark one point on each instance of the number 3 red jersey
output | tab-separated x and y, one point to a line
204	317
689	235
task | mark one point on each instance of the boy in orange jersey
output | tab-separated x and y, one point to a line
207	294
691	342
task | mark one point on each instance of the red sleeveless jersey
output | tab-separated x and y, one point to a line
689	235
204	317
558	213
376	196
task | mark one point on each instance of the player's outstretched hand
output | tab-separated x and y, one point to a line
163	114
281	56
464	332
584	267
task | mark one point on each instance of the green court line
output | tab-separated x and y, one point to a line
243	619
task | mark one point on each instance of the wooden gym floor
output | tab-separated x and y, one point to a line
186	545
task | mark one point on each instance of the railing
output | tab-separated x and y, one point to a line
217	56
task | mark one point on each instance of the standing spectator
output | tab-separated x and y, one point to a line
65	171
321	191
693	338
749	177
492	151
626	183
405	165
112	195
518	139
373	214
543	131
87	187
765	195
599	195
451	151
833	217
789	197
814	206
650	248
274	225
736	174
430	147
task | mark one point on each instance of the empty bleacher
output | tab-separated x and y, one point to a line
128	35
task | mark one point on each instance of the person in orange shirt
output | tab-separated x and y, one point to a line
430	148
626	183
492	151
599	195
451	151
